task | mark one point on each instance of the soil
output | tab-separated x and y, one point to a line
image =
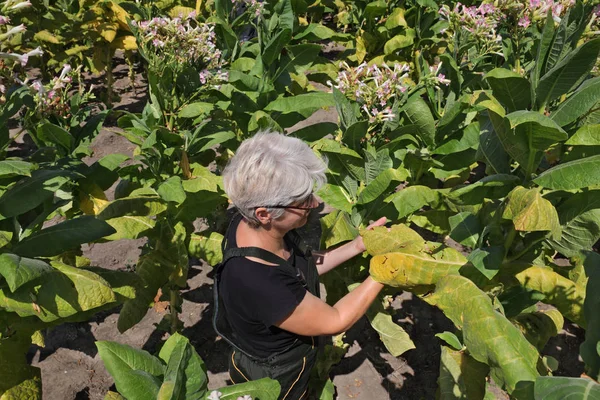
72	369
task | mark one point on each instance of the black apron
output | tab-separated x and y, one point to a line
290	367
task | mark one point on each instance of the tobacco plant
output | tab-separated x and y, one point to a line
177	373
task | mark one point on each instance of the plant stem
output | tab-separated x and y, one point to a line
173	309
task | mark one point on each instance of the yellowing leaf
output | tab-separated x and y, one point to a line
416	270
108	30
125	43
530	212
380	240
120	15
561	292
91	203
46	36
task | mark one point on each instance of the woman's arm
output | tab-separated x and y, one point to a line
314	317
329	259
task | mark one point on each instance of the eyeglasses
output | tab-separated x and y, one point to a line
310	199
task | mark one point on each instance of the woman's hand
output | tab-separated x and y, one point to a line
358	241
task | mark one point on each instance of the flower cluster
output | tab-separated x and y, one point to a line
216	395
373	87
481	21
178	38
53	98
538	9
8	7
252	6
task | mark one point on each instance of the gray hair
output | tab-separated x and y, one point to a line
272	169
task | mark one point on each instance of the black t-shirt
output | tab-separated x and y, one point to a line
257	296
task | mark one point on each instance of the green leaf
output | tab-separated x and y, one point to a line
193	370
62	237
136	372
172	385
465	228
491	147
572	175
541	131
418	113
113	396
336	197
375	9
461	376
54	134
530	212
133	205
30	192
579	218
451	340
487	260
399	42
587	135
396	19
202	179
468	140
306	103
194	110
568	73
274	47
347	111
411	199
316	131
206	248
261	389
10	168
130	227
29	389
590	348
336	228
578	104
561	292
124	284
17	270
395	339
381	184
490	338
543	48
559	388
80	290
413	269
172	190
510	88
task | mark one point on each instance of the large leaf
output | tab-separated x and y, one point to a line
418	113
510	88
56	135
173	384
140	205
32	191
568	73
274	47
17	270
587	135
347	111
261	389
381	184
561	292
465	228
304	103
336	197
207	248
172	190
416	269
10	168
540	131
490	338
540	326
63	293
578	104
379	240
491	187
336	228
395	339
62	237
136	372
572	175
559	388
130	227
580	222
590	348
193	369
399	42
411	199
530	212
461	376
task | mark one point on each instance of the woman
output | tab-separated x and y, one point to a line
267	290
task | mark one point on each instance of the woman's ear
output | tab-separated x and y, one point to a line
263	215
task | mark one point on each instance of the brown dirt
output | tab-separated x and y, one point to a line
72	369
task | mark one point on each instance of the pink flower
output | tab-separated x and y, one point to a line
4	20
524	22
